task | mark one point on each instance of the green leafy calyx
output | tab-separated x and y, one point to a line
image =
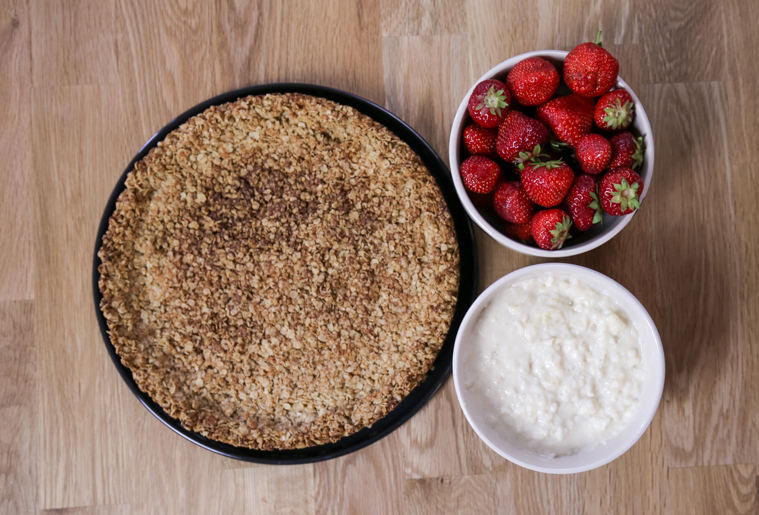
595	205
626	196
618	115
558	145
494	101
640	150
549	165
560	233
529	157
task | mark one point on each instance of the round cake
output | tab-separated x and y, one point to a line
279	272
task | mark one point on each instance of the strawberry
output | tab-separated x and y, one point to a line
590	70
570	117
550	228
620	191
512	203
583	204
593	153
533	81
626	151
489	103
479	174
547	183
614	111
519	134
480	141
519	232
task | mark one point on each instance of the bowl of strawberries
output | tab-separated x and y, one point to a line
551	152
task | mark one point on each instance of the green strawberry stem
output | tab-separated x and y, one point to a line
529	157
618	115
595	205
494	100
561	233
639	151
549	165
558	145
626	196
598	39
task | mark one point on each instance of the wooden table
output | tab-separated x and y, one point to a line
83	84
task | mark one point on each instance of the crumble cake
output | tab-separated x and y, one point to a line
280	272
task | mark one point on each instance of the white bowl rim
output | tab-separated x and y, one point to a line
653	402
453	159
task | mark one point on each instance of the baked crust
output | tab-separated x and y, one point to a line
280	272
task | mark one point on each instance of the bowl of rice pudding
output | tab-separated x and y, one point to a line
558	368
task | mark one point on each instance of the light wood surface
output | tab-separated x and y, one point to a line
84	83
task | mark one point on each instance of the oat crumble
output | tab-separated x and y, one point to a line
280	272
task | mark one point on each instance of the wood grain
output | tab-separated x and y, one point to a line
341	484
83	84
728	490
426	18
80	434
166	64
619	20
19	410
85	52
634	481
740	17
450	496
15	147
747	176
263	490
342	50
433	429
703	339
489	41
683	40
423	64
543	493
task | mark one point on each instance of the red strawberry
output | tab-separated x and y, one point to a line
570	117
547	183
590	70
480	141
520	134
593	153
533	81
479	174
620	191
583	204
489	103
550	228
519	232
614	111
626	151
512	203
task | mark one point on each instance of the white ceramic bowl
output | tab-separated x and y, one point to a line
653	380
489	221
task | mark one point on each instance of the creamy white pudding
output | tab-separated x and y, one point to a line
555	364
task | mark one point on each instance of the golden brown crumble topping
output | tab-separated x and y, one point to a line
279	272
